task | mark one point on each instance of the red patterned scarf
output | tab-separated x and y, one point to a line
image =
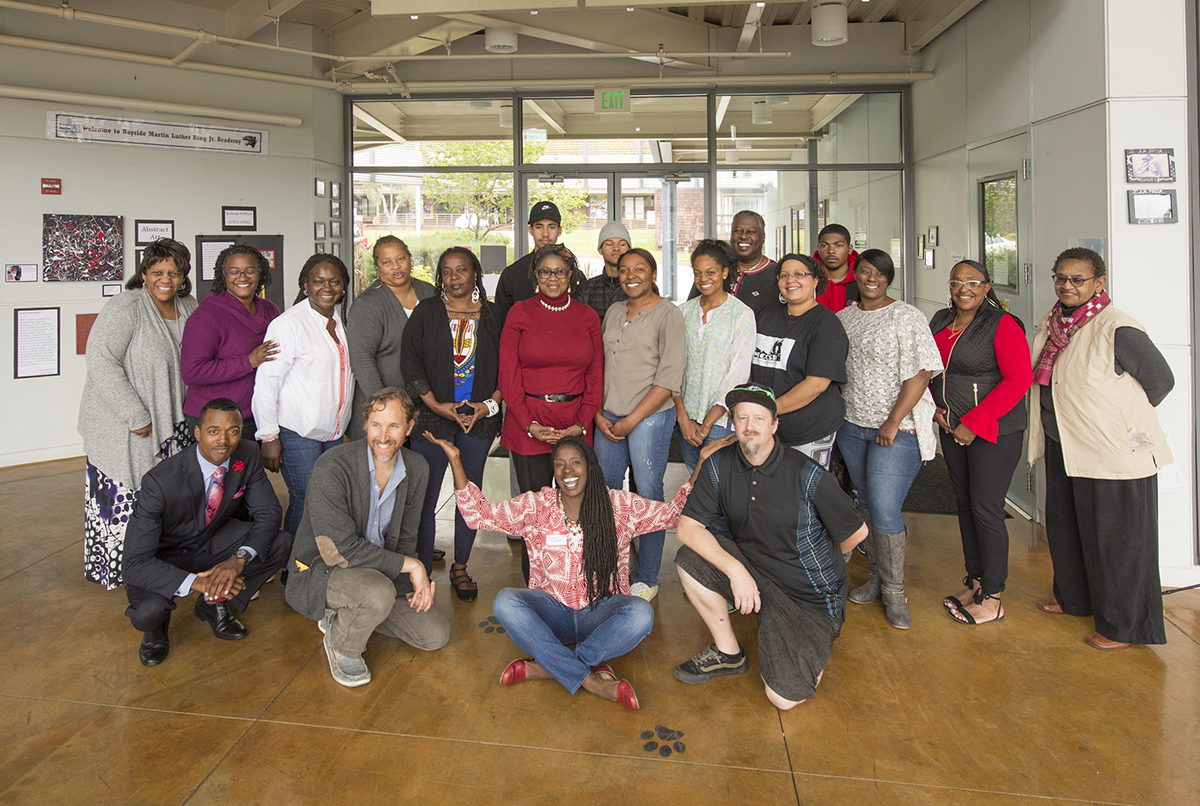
1062	328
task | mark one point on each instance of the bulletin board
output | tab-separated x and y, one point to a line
283	284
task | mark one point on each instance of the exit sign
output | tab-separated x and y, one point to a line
613	101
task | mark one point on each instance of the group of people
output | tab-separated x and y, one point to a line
772	373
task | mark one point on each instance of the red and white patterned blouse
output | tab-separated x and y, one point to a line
556	550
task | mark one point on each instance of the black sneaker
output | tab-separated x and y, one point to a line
710	663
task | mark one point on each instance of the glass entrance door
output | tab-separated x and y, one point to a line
1001	239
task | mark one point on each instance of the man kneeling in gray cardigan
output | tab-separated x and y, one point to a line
354	567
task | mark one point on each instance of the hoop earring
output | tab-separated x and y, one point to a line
781	299
475	294
950	303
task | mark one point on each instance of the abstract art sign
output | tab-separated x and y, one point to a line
79	248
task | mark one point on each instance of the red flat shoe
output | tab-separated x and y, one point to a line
1050	606
626	695
1100	642
604	668
513	673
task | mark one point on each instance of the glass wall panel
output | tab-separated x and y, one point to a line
665	217
583	204
865	128
871	205
780	197
432	133
658	130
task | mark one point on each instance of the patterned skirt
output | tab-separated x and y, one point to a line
107	507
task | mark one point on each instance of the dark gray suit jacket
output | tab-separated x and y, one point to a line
338	505
168	519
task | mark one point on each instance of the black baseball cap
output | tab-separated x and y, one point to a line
543	210
751	393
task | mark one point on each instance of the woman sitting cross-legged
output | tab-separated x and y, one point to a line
578	538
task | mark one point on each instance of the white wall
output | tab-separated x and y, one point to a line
1063	71
146	183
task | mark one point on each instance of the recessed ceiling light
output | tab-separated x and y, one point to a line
629	8
760	4
534	11
637	128
414	16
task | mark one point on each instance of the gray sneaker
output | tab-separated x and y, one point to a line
350	672
710	663
326	621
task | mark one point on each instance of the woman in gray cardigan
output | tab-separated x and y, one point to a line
131	413
376	322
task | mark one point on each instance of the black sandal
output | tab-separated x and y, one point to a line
952	602
464	587
963	617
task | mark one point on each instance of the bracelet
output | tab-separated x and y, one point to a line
269	439
492	406
581	428
531	425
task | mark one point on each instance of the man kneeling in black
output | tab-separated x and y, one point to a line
206	520
790	523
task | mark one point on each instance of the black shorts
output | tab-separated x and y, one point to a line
794	642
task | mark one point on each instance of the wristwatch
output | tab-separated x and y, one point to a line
492	406
582	429
243	555
531	425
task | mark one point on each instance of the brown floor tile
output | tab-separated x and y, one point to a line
26	493
290	764
1183	611
54	752
820	790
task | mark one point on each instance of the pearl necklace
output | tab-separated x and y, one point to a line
556	308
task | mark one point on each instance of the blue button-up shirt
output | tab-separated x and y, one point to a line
383	501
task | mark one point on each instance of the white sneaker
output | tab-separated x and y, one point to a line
350	672
643	590
326	621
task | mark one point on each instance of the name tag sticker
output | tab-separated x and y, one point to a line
556	539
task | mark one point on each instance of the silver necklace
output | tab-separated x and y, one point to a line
557	308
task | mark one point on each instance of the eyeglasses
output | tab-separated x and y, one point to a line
1076	282
546	274
798	275
971	284
249	273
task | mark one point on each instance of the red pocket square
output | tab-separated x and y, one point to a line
239	493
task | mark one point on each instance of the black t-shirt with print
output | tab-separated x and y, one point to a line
791	348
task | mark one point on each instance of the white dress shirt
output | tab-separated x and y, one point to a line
309	387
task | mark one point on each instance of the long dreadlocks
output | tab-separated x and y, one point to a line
597	523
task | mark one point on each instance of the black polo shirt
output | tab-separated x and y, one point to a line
788	516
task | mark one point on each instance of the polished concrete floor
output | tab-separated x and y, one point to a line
1019	712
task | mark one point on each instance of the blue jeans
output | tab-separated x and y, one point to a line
645	450
474	453
691	454
881	475
543	626
299	456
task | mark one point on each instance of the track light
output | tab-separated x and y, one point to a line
830	25
497	41
506	116
760	113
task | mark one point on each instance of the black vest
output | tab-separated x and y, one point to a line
971	370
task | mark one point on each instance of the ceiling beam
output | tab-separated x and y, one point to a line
933	18
377	124
546	116
749	27
880	9
246	17
803	15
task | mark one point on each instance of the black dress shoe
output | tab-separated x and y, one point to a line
438	555
155	645
218	616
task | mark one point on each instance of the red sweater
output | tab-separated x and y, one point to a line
834	297
1016	376
546	352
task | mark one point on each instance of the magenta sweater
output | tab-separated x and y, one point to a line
215	354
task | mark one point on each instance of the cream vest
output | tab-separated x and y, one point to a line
1108	428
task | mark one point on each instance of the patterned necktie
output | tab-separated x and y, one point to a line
214	495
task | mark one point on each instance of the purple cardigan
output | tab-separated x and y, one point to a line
215	354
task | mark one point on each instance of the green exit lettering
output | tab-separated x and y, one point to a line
613	100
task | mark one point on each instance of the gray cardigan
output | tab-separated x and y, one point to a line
338	505
133	378
374	326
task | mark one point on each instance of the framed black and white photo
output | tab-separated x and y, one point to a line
336	248
319	230
239	219
335	190
335	229
319	188
1153	206
335	208
147	232
1150	165
929	259
933	236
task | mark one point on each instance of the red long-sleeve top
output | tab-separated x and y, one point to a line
1016	376
545	352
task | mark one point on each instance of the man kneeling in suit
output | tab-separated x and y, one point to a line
354	568
206	520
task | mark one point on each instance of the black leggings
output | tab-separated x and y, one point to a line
980	474
533	473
